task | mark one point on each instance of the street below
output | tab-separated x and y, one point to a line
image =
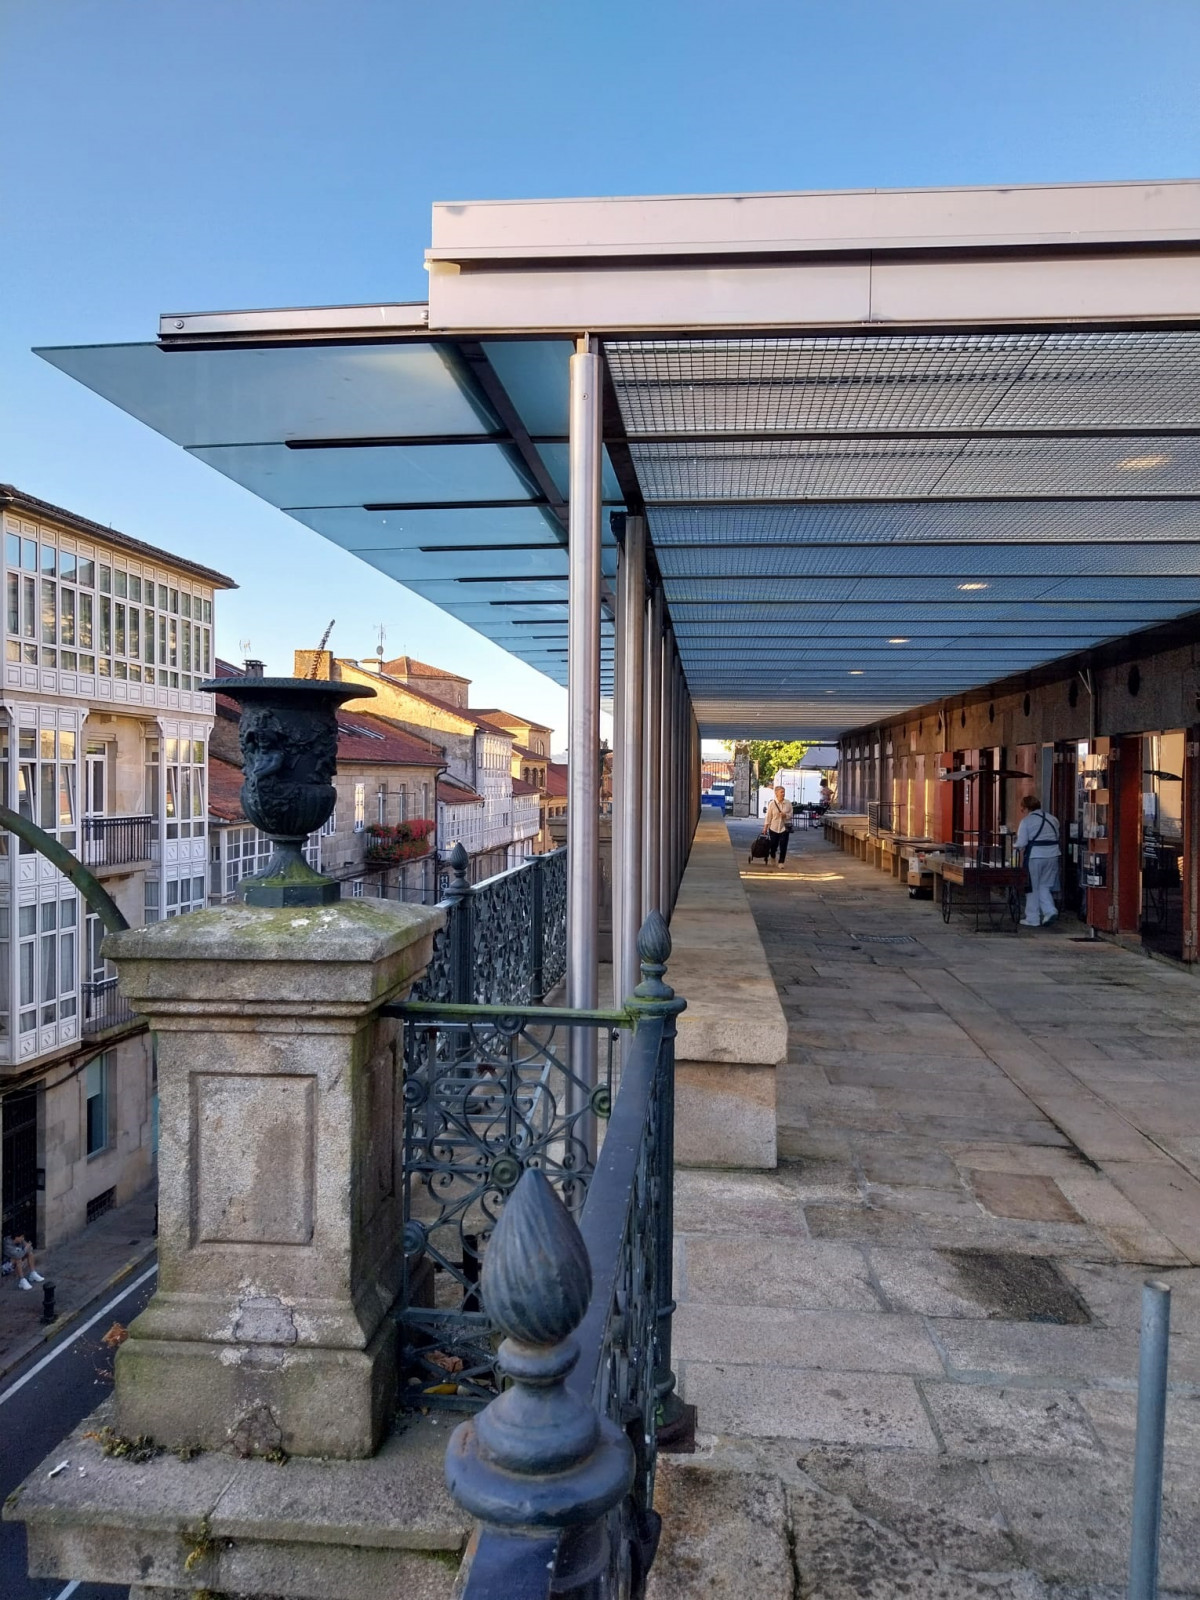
40	1402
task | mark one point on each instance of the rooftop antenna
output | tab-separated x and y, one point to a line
245	648
312	666
381	630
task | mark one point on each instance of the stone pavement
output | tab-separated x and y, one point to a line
80	1270
914	1346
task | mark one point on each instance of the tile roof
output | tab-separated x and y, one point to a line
556	780
457	794
363	737
419	669
527	722
17	500
519	786
225	790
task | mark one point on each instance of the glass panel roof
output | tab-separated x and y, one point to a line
241	396
393	474
939	508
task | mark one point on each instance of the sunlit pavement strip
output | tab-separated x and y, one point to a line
872	1393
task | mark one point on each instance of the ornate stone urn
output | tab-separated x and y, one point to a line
288	736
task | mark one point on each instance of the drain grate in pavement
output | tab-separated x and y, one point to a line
1017	1288
882	938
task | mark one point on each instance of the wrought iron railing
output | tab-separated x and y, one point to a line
505	939
487	1093
559	1465
103	1007
118	841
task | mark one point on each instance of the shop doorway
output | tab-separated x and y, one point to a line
1161	854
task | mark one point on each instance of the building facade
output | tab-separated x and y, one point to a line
104	735
431	705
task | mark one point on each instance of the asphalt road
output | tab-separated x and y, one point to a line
40	1402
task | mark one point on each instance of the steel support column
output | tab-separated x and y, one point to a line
628	747
583	699
652	757
666	739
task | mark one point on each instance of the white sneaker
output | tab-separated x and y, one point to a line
1025	923
36	1277
1046	921
24	1283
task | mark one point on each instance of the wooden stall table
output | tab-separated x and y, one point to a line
986	893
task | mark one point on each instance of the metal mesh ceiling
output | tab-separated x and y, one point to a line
926	381
848	526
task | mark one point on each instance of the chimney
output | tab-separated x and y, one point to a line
253	668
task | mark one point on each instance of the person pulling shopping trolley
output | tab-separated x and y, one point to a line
1038	841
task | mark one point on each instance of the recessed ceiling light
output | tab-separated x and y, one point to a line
897	641
972	586
1142	463
856	672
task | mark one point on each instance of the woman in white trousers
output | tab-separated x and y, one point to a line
1038	842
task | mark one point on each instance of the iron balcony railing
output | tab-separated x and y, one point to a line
505	939
103	1007
545	1209
118	841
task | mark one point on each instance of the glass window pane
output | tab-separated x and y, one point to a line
85	621
12	550
49	560
67	600
105	580
87	573
66	565
120	583
29	554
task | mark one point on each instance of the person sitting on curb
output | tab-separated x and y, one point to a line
19	1251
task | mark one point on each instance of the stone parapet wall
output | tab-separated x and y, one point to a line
733	1035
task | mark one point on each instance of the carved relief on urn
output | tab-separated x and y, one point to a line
288	733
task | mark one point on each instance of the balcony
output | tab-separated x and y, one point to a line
103	1007
118	841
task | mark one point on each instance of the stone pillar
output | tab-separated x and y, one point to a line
280	1165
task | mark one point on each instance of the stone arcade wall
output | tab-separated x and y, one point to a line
733	1035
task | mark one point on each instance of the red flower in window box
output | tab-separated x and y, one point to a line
391	846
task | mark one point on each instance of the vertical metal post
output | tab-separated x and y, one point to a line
1148	1448
537	952
666	832
583	700
628	759
652	756
460	926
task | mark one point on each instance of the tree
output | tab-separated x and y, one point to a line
771	754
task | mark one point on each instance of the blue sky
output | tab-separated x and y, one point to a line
160	155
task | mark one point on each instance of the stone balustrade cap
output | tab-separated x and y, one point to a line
347	931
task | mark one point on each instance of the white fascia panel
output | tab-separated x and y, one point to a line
870	219
651	299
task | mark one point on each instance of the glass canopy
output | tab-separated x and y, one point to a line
846	526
